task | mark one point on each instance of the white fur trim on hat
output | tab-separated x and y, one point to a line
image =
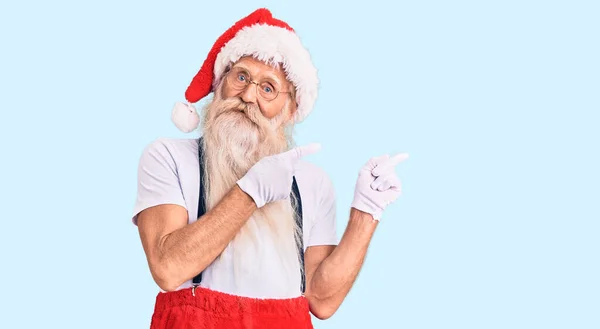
274	45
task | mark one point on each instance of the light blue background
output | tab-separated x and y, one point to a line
496	102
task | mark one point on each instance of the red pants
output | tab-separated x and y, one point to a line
214	310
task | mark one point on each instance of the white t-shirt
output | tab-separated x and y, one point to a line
168	173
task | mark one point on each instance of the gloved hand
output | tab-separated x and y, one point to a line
377	185
270	179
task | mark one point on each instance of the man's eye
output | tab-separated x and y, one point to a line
267	88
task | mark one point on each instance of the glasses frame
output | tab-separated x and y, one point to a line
250	81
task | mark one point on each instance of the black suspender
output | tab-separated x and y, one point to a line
298	209
202	209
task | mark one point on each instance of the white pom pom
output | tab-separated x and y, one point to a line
185	117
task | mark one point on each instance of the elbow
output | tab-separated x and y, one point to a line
322	313
322	310
165	279
167	285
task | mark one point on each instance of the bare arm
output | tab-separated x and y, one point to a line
177	251
331	271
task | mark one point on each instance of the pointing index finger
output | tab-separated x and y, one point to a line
390	163
396	159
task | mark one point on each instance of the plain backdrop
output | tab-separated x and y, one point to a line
495	101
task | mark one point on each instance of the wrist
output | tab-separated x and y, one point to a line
367	208
360	214
359	231
249	190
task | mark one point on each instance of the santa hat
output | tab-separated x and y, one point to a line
265	38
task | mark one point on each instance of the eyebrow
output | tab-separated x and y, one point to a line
268	75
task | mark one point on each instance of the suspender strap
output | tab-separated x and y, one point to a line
202	210
299	222
201	202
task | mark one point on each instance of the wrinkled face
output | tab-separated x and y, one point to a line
260	85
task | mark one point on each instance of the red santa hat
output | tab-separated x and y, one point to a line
265	38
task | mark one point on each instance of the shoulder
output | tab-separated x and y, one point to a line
172	146
314	181
159	175
310	171
169	150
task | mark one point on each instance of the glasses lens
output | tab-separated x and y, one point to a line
238	79
267	91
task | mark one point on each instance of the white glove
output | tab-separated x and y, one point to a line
270	179
377	185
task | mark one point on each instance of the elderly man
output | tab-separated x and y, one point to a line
238	230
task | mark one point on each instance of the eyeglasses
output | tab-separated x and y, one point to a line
239	79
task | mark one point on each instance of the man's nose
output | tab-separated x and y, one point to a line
249	94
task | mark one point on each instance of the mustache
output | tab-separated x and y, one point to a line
236	104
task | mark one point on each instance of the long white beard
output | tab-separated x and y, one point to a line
235	137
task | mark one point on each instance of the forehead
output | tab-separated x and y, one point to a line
258	68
